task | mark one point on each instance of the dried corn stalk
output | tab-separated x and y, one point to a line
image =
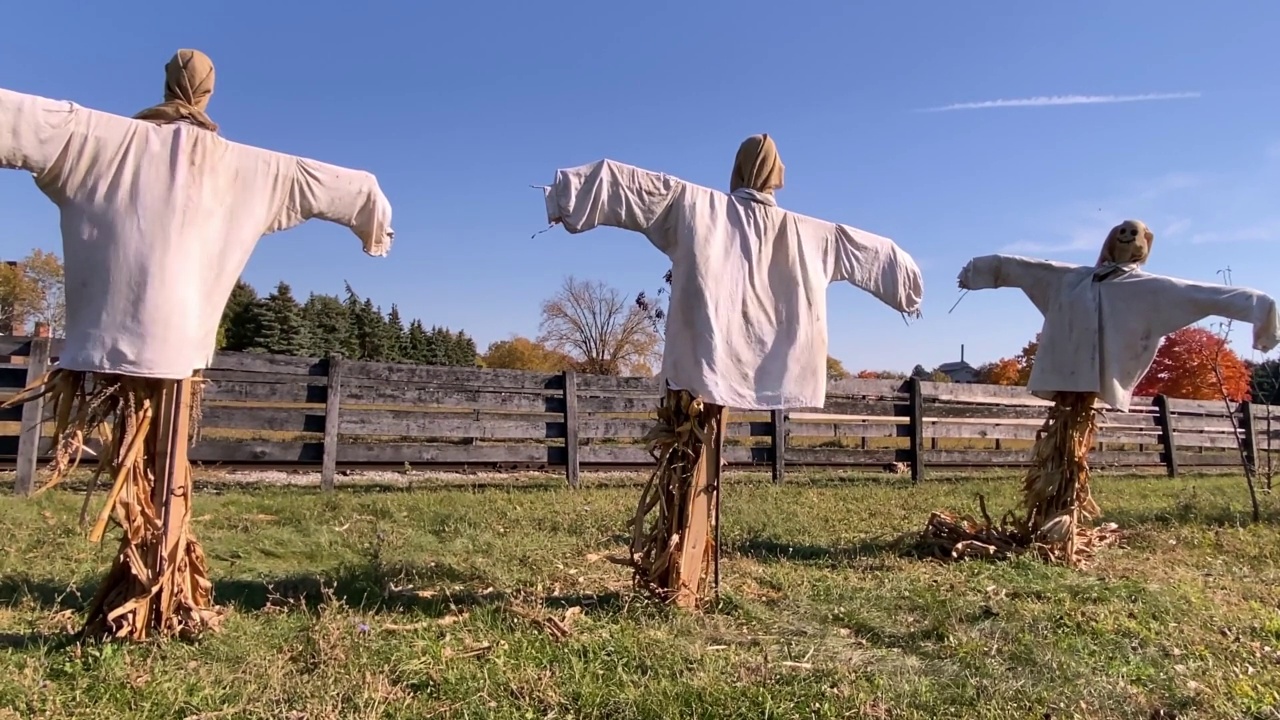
1056	499
673	530
158	583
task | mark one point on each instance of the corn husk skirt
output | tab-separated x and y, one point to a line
675	527
1057	503
158	584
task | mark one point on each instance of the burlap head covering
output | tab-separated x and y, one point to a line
188	83
757	166
1128	242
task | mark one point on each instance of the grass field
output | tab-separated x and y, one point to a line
476	603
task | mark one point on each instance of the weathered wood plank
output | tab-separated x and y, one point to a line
868	388
778	443
841	456
811	429
263	363
332	423
1198	407
637	455
916	442
571	427
20	345
24	482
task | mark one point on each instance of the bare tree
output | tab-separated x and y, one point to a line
606	332
1246	459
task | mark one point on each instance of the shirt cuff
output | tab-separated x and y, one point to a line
553	204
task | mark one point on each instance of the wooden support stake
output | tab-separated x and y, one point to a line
916	396
697	546
171	493
332	422
779	418
571	428
24	482
1166	436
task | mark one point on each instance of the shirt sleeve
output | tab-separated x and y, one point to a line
34	131
1038	279
612	194
874	264
1179	303
351	198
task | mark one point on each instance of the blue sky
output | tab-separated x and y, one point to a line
459	107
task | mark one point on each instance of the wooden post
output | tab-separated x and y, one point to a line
779	418
172	492
1166	436
916	397
24	482
332	421
571	428
1250	437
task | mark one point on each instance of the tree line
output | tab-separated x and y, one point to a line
330	325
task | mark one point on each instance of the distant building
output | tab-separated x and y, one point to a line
961	371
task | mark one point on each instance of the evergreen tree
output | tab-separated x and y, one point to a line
397	337
368	328
463	350
281	328
418	344
329	326
237	331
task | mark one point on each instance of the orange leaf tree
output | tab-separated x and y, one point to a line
1183	368
1014	370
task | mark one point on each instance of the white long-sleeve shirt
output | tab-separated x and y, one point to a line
1100	335
747	324
158	222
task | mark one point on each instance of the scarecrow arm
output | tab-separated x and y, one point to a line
612	194
1037	278
877	265
34	131
340	195
1179	303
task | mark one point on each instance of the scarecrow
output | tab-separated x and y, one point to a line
159	216
1102	327
746	328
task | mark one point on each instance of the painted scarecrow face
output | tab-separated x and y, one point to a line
1128	242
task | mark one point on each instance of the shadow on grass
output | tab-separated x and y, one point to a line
1192	514
770	550
434	589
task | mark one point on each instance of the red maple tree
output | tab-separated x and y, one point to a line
1183	368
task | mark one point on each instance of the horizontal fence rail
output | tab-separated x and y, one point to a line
275	410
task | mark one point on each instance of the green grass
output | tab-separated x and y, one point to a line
427	604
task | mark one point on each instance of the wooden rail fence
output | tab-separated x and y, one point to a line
274	410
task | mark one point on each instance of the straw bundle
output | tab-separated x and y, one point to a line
1056	499
158	583
674	530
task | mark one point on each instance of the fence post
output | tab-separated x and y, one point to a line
24	480
1250	439
571	428
916	396
1166	436
332	421
779	418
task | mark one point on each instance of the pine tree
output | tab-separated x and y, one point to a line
329	326
281	328
397	337
236	331
418	344
462	351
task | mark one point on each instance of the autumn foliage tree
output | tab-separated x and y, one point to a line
521	353
34	291
1014	370
1184	368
